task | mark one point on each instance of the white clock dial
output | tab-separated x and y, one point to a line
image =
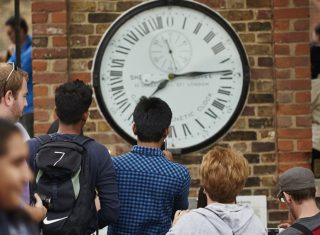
182	54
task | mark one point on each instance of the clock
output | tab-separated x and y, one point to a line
182	52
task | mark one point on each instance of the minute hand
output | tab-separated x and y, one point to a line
195	74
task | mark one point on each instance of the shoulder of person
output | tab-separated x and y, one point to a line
192	223
97	149
290	231
182	169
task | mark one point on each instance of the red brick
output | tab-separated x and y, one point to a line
302	73
41	116
48	6
39	18
301	3
49	78
59	17
303	97
60	66
291	37
264	15
44	103
302	25
285	145
291	13
86	77
49	53
40	90
284	167
294	157
281	49
304	121
284	97
293	109
293	85
289	62
261	73
281	25
302	49
280	3
49	29
39	65
284	121
283	74
294	133
41	128
303	145
59	41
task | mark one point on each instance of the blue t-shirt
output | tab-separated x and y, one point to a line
103	177
26	65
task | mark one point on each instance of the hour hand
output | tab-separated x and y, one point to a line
160	86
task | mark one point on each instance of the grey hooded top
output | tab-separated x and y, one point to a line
228	219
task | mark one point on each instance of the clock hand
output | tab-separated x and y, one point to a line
161	85
170	52
195	74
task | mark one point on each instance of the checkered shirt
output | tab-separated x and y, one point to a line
151	189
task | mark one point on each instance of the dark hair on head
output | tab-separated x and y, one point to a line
304	194
151	117
7	129
317	30
72	100
12	23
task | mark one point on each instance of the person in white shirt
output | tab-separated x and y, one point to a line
13	93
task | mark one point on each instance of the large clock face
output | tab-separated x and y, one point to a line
183	53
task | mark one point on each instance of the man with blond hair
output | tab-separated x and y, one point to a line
223	174
13	93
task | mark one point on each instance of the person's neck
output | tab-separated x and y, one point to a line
307	208
210	201
23	39
6	114
149	144
73	129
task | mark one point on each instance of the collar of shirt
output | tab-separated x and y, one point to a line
27	43
147	151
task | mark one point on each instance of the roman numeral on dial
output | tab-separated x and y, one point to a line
186	129
197	29
209	37
218	48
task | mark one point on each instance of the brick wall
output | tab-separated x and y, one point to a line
274	129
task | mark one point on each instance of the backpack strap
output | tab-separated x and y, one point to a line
82	140
44	139
302	228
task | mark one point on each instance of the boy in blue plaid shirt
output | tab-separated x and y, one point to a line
151	188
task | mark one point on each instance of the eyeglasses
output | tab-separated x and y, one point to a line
14	68
282	198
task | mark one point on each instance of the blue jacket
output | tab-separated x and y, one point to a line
26	65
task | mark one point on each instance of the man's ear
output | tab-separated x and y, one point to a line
287	197
134	129
8	98
85	116
166	133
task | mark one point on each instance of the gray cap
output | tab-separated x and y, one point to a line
296	178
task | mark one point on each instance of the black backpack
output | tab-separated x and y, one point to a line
63	182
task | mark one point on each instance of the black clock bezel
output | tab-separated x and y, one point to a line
183	3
